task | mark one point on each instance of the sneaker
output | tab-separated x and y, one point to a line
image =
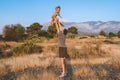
63	75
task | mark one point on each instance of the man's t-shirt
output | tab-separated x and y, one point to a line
61	40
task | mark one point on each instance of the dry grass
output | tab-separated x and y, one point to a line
2	69
44	76
88	49
23	62
85	73
115	62
100	65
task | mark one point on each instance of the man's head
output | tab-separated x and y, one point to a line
65	31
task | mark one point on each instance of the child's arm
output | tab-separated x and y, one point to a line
58	14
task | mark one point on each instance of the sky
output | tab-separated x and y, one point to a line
27	12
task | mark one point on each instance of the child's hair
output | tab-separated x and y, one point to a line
58	7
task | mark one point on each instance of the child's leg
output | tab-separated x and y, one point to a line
52	21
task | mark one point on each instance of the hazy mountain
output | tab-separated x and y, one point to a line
89	26
92	26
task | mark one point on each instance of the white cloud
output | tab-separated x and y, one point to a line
64	20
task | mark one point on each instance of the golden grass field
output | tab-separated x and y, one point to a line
97	59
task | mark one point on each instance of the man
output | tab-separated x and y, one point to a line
62	51
61	40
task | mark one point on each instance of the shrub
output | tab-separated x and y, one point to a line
70	35
118	34
102	33
73	30
111	34
36	40
5	51
92	35
1	38
52	48
52	30
83	37
88	50
110	42
74	53
13	32
27	48
42	39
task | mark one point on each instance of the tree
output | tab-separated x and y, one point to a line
52	30
13	32
8	32
111	34
44	33
102	32
73	30
118	34
19	31
1	38
34	29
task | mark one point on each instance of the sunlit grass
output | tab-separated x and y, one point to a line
96	61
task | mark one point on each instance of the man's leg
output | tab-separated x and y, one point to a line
63	64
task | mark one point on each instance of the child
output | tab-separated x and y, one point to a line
55	20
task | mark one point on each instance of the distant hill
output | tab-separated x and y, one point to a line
89	26
92	26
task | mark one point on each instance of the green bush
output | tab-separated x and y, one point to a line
92	36
83	37
111	34
1	38
37	40
102	33
118	34
5	51
71	36
42	39
27	48
73	30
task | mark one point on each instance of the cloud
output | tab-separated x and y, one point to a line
64	20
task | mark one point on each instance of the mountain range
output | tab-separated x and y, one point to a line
89	26
92	26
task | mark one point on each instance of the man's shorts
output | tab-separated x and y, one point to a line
63	52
